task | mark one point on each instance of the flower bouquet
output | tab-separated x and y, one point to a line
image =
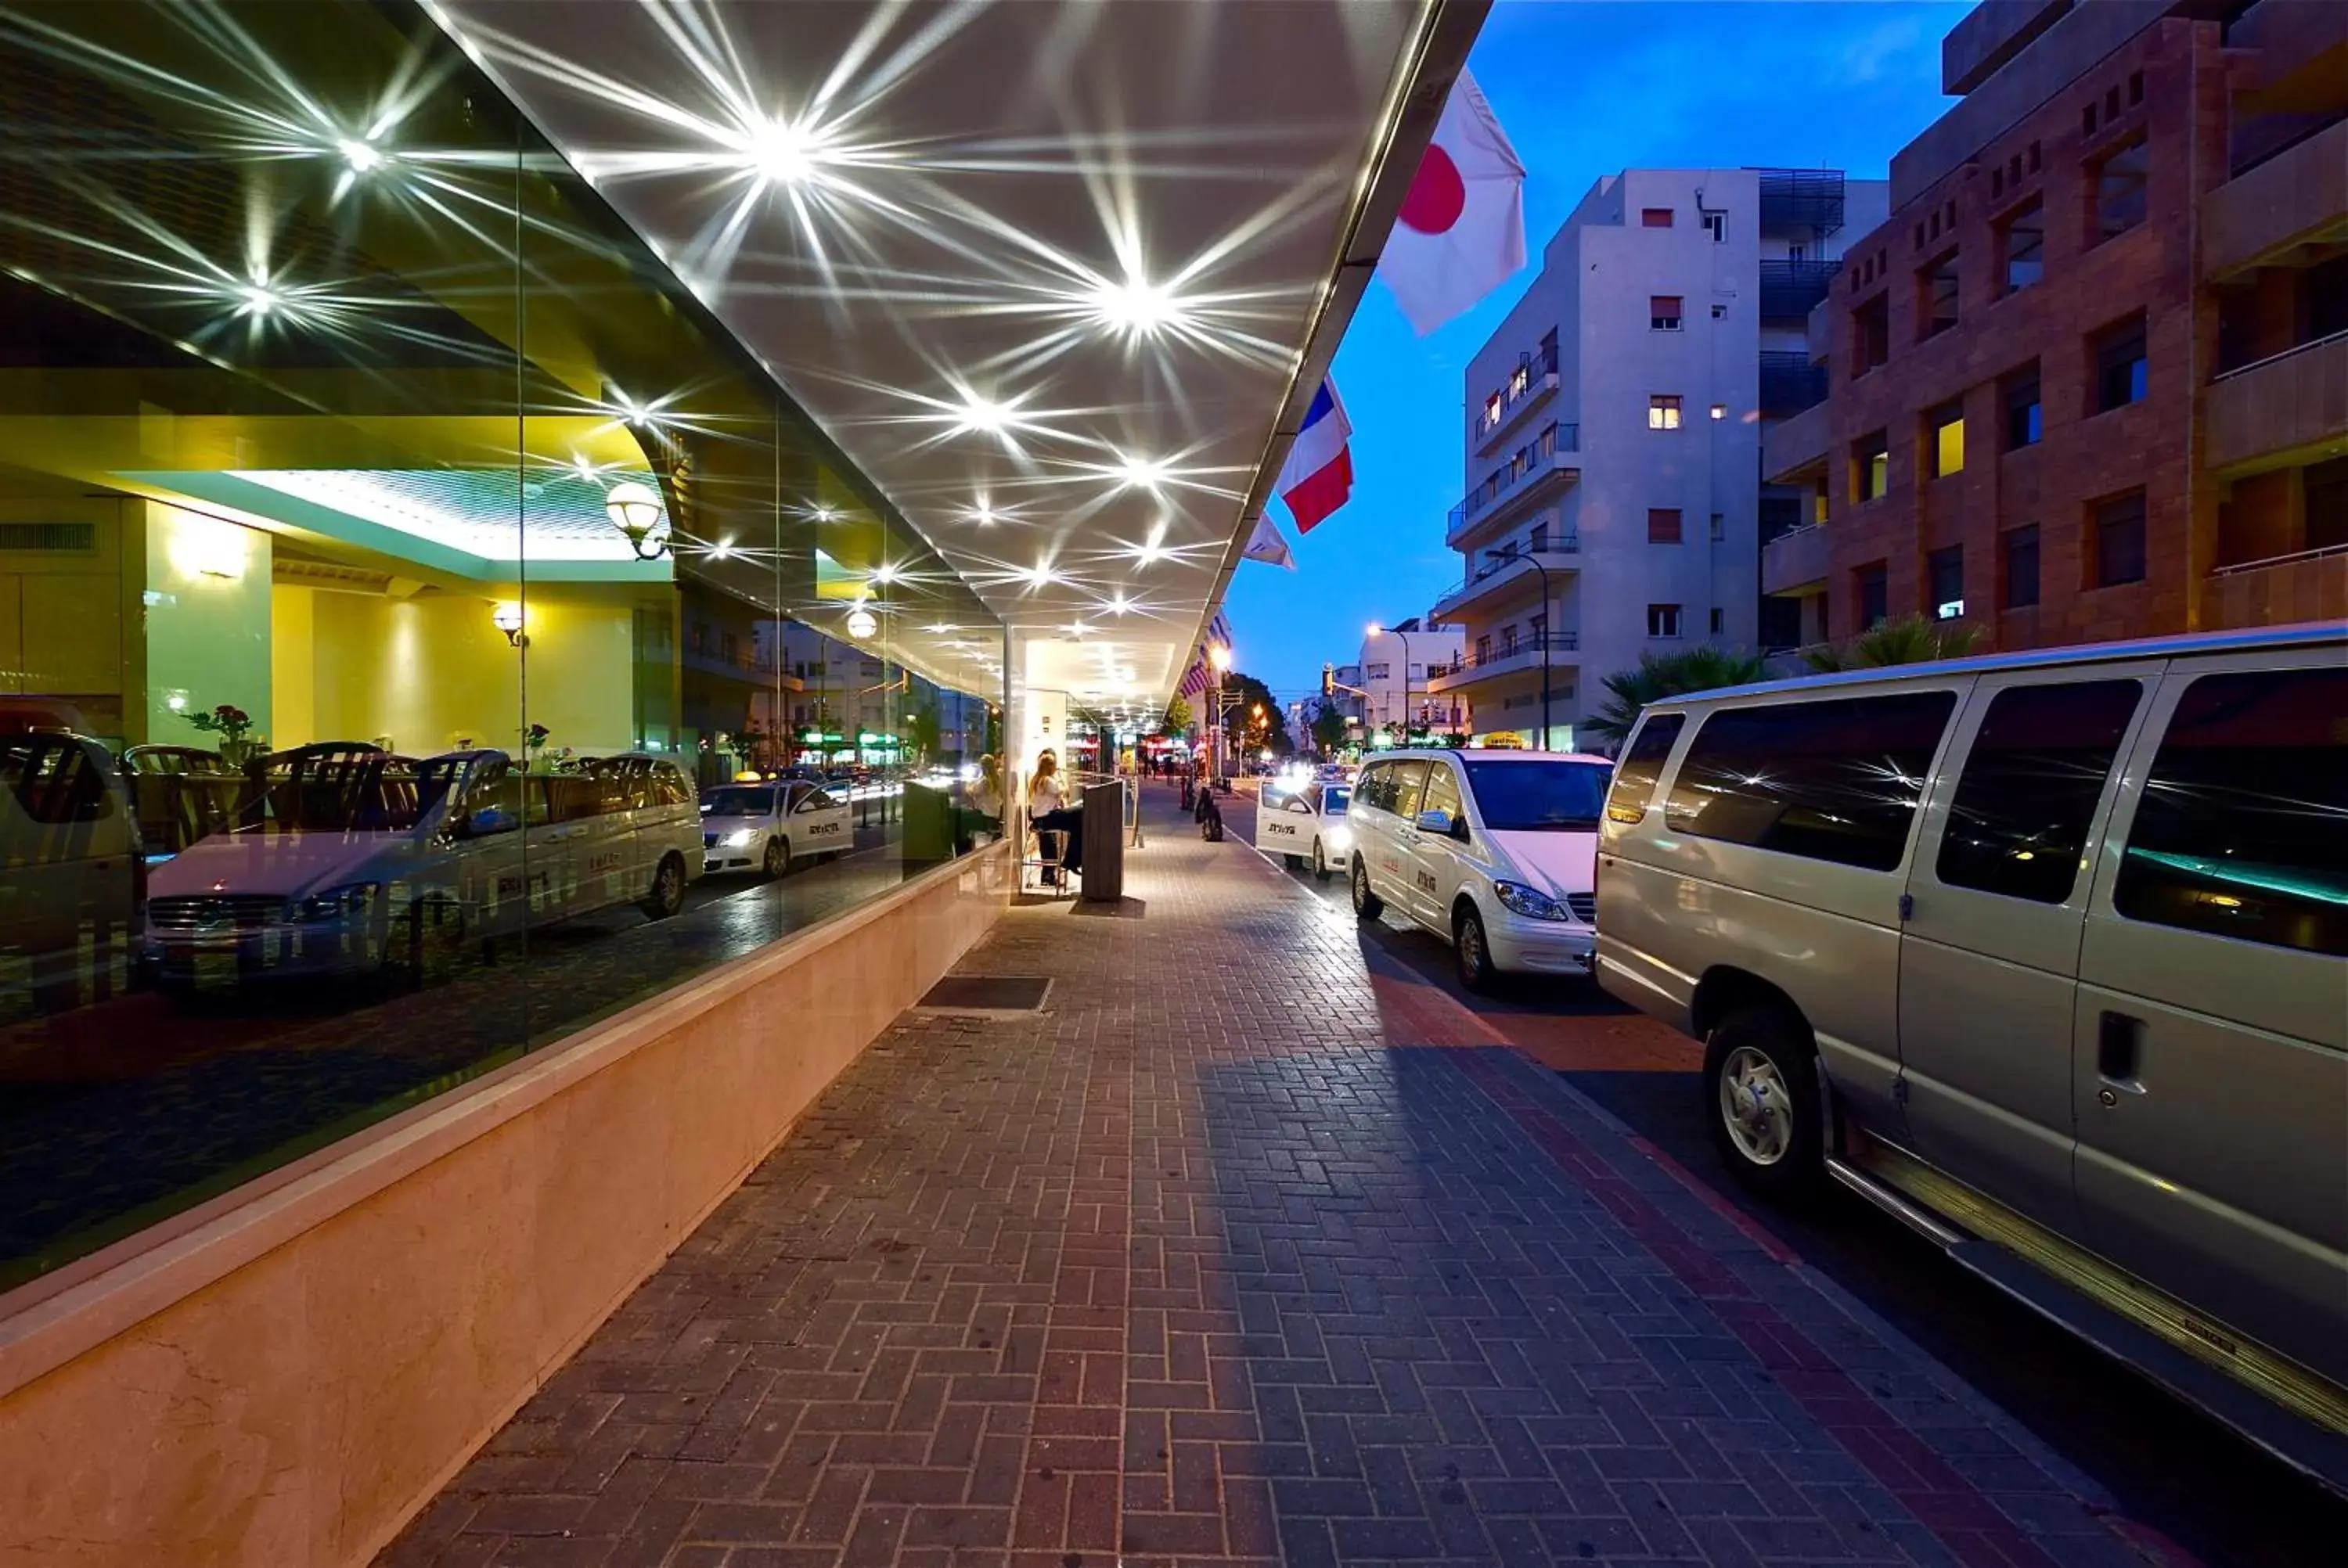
233	725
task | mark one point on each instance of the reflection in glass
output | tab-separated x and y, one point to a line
396	572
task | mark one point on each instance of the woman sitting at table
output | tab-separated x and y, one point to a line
1048	811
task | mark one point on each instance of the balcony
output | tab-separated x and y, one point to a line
1808	198
1793	451
2311	585
1562	650
2291	407
1529	386
1790	289
2297	198
1797	563
1509	573
1536	469
1790	383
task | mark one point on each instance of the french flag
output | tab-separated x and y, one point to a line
1318	477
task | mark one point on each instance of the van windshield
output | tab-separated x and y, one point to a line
737	800
1537	798
349	792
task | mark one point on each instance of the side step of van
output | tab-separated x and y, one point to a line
2304	1422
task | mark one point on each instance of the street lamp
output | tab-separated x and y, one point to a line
1219	655
1508	555
1376	630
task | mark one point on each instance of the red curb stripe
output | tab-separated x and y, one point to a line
1934	1492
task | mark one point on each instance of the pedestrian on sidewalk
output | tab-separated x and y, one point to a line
1048	811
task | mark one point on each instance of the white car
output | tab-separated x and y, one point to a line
765	827
1307	825
1494	851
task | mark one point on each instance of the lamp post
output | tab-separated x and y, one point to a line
1220	656
1546	607
1378	630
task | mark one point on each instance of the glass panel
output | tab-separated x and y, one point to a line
1833	781
1409	784
2243	828
1642	765
2030	781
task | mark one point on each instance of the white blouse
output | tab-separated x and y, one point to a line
1045	795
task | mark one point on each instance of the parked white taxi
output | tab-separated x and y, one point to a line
1305	825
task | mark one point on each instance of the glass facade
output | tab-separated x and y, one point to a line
398	574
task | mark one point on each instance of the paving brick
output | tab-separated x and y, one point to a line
1249	1250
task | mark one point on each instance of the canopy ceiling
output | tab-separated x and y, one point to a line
1058	275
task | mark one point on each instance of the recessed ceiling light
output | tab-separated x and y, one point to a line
1143	473
782	153
258	300
1134	307
362	156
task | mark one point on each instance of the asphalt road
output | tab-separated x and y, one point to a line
2165	1465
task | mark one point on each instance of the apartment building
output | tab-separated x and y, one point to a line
2090	378
1614	502
1398	665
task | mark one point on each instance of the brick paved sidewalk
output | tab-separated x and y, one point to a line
1238	1253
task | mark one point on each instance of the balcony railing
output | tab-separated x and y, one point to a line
1530	461
1789	289
1478	658
1802	199
1790	383
1529	380
1564	545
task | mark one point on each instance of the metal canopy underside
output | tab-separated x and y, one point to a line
1057	274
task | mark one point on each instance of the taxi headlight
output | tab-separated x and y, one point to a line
1530	902
740	838
1341	837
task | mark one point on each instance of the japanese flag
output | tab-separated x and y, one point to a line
1461	230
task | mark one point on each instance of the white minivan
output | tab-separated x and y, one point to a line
1491	850
2046	954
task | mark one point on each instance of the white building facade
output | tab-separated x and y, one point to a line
1614	505
1397	664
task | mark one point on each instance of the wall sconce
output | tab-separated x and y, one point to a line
635	510
506	616
860	622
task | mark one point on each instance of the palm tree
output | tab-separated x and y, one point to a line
1663	675
1910	640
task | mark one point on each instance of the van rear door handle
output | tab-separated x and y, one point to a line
2118	1041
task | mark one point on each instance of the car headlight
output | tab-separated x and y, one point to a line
336	903
740	838
1341	837
1530	902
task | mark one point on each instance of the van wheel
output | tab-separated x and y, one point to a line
1761	1099
667	896
778	856
1320	862
1469	951
1367	906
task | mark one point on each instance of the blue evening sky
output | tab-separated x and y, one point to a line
1584	88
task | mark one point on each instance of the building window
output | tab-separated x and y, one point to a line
2120	371
1720	410
1663	413
1508	640
2022	567
1664	312
1662	620
1483	650
1538	625
1870	467
2136	89
1720	312
1944	572
1539	538
1376	671
2121	184
1719	622
1945	440
2024	419
2323	491
1719	528
2119	540
1717	223
1654	217
1936	294
2022	247
1871	335
1874	585
1662	525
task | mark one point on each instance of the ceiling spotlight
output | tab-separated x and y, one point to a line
1134	307
781	153
364	157
1120	605
1079	629
941	627
722	551
826	514
981	415
885	574
983	515
1143	473
258	300
1038	575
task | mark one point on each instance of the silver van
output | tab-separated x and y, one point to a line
2047	955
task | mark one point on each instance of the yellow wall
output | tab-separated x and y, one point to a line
62	615
431	671
208	613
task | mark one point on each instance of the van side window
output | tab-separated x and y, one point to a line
1642	765
669	787
1835	780
1442	791
2243	828
1409	784
2028	793
55	781
1371	789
